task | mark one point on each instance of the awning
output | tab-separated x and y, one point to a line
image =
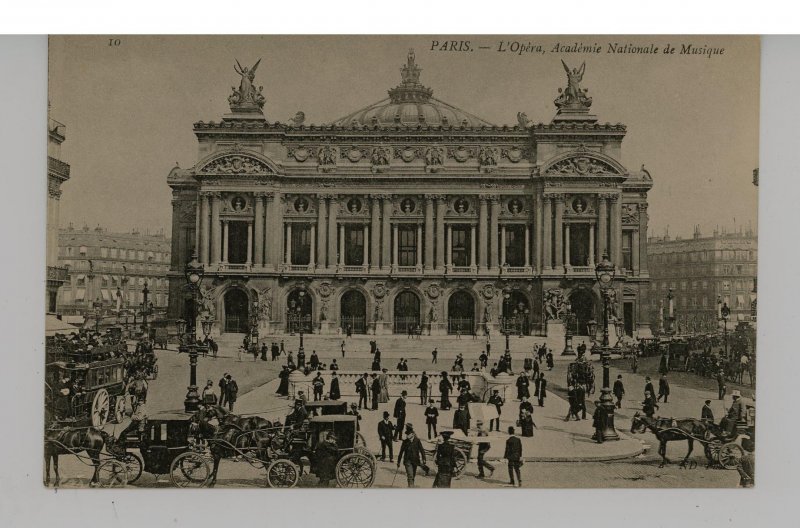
105	295
80	294
53	325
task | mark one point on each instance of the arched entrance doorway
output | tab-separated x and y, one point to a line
353	310
406	312
461	313
298	311
582	305
237	306
517	313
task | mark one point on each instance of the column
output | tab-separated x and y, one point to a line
333	212
538	226
375	235
249	243
341	245
449	245
441	208
602	226
269	229
547	234
312	262
204	228
288	252
567	260
322	240
494	256
197	207
482	221
635	252
592	260
503	245
215	229
225	241
386	258
258	261
429	257
527	246
277	229
419	246
616	232
643	238
365	256
472	246
394	246
558	228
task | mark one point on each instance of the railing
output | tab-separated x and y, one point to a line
403	323
226	266
462	269
299	267
582	269
408	269
58	167
55	273
517	270
358	324
354	269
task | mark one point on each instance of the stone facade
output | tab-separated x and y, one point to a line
409	211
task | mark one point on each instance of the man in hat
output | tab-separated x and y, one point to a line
326	457
541	389
376	391
599	419
318	384
431	417
649	404
231	391
496	400
362	390
735	413
525	406
385	433
663	388
445	461
423	388
648	386
523	384
411	455
435	355
334	393
513	455
400	414
619	391
298	415
706	414
483	448
222	392
313	360
461	419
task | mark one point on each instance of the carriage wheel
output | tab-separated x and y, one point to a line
360	441
101	407
112	474
729	455
712	450
134	464
189	470
355	470
366	452
461	462
119	408
282	473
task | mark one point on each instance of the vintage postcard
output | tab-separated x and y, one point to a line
401	261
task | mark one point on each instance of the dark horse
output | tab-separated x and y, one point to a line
69	441
671	429
234	435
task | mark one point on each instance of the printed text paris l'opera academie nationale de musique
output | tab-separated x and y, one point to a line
522	48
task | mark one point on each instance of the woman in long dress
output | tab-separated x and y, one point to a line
383	379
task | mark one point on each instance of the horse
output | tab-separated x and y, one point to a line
233	435
69	441
670	430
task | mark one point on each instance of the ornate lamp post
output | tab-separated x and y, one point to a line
569	320
605	271
506	298
147	308
724	313
193	272
299	318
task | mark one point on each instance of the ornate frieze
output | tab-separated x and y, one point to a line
515	154
434	158
354	206
581	165
630	214
487	158
236	163
407	154
353	153
462	153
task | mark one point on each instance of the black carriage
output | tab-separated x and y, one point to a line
677	357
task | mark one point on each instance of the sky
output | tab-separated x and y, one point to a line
692	119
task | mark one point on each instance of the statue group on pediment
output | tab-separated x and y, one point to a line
582	165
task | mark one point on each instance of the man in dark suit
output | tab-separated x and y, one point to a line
599	422
411	449
513	455
376	391
385	432
423	389
619	390
541	385
663	388
706	414
445	461
648	387
222	392
361	389
461	419
431	417
496	400
525	406
333	392
400	414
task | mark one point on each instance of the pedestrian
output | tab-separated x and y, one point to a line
598	422
580	400
376	391
434	355
362	389
318	385
461	419
302	397
431	417
648	386
524	406
383	379
423	388
313	361
283	350
254	351
445	461
483	359
411	455
542	388
573	406
400	414
223	393
283	386
496	400
444	390
209	397
373	345
290	361
385	433
663	388
231	391
549	358
635	362
326	456
706	414
264	351
513	455
735	414
343	347
649	404
619	391
349	330
522	386
526	423
483	448
334	365
333	392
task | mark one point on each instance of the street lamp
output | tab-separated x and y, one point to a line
605	272
145	291
299	317
193	272
569	319
506	297
724	313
